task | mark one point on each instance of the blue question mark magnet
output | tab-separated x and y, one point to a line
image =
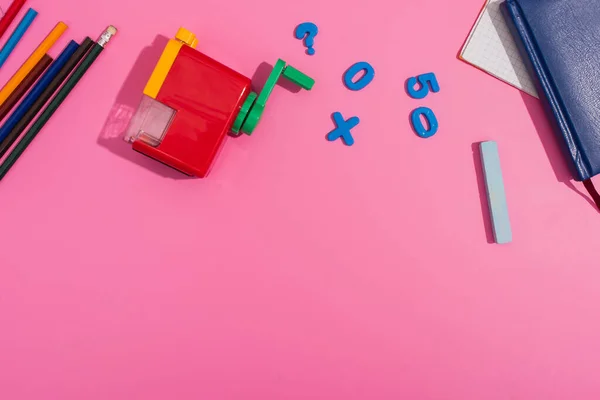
307	31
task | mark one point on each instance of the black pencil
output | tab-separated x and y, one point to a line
45	96
58	99
24	86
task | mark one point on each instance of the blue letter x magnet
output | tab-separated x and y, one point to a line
342	129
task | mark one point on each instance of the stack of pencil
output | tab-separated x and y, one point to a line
19	31
43	83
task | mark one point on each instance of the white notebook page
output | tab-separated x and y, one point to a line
491	47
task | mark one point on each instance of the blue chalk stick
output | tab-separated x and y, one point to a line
17	35
494	184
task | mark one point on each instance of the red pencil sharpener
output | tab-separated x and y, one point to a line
192	102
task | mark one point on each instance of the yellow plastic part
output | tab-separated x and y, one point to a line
183	37
186	37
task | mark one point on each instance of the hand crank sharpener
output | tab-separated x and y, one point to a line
191	104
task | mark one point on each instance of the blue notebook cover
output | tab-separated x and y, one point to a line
561	39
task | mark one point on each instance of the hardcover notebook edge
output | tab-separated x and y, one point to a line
543	81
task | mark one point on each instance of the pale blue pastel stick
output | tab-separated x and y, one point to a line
490	159
17	35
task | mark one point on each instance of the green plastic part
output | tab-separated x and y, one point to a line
259	106
241	118
270	84
256	110
299	78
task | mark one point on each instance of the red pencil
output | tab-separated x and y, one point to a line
10	15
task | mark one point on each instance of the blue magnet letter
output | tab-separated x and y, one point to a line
342	129
418	124
363	80
427	81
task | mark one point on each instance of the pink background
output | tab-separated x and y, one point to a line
300	269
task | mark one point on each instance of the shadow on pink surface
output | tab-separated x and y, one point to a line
485	211
130	97
555	148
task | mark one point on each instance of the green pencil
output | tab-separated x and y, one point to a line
57	100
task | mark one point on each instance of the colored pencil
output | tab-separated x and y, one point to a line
30	63
17	35
24	86
10	15
41	100
33	96
58	99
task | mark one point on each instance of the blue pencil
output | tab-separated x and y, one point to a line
37	90
16	36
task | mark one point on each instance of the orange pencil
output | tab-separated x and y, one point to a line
32	61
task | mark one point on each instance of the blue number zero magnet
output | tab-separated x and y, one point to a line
361	82
417	123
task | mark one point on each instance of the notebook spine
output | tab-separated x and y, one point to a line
545	87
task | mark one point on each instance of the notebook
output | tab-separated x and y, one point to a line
491	48
561	39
